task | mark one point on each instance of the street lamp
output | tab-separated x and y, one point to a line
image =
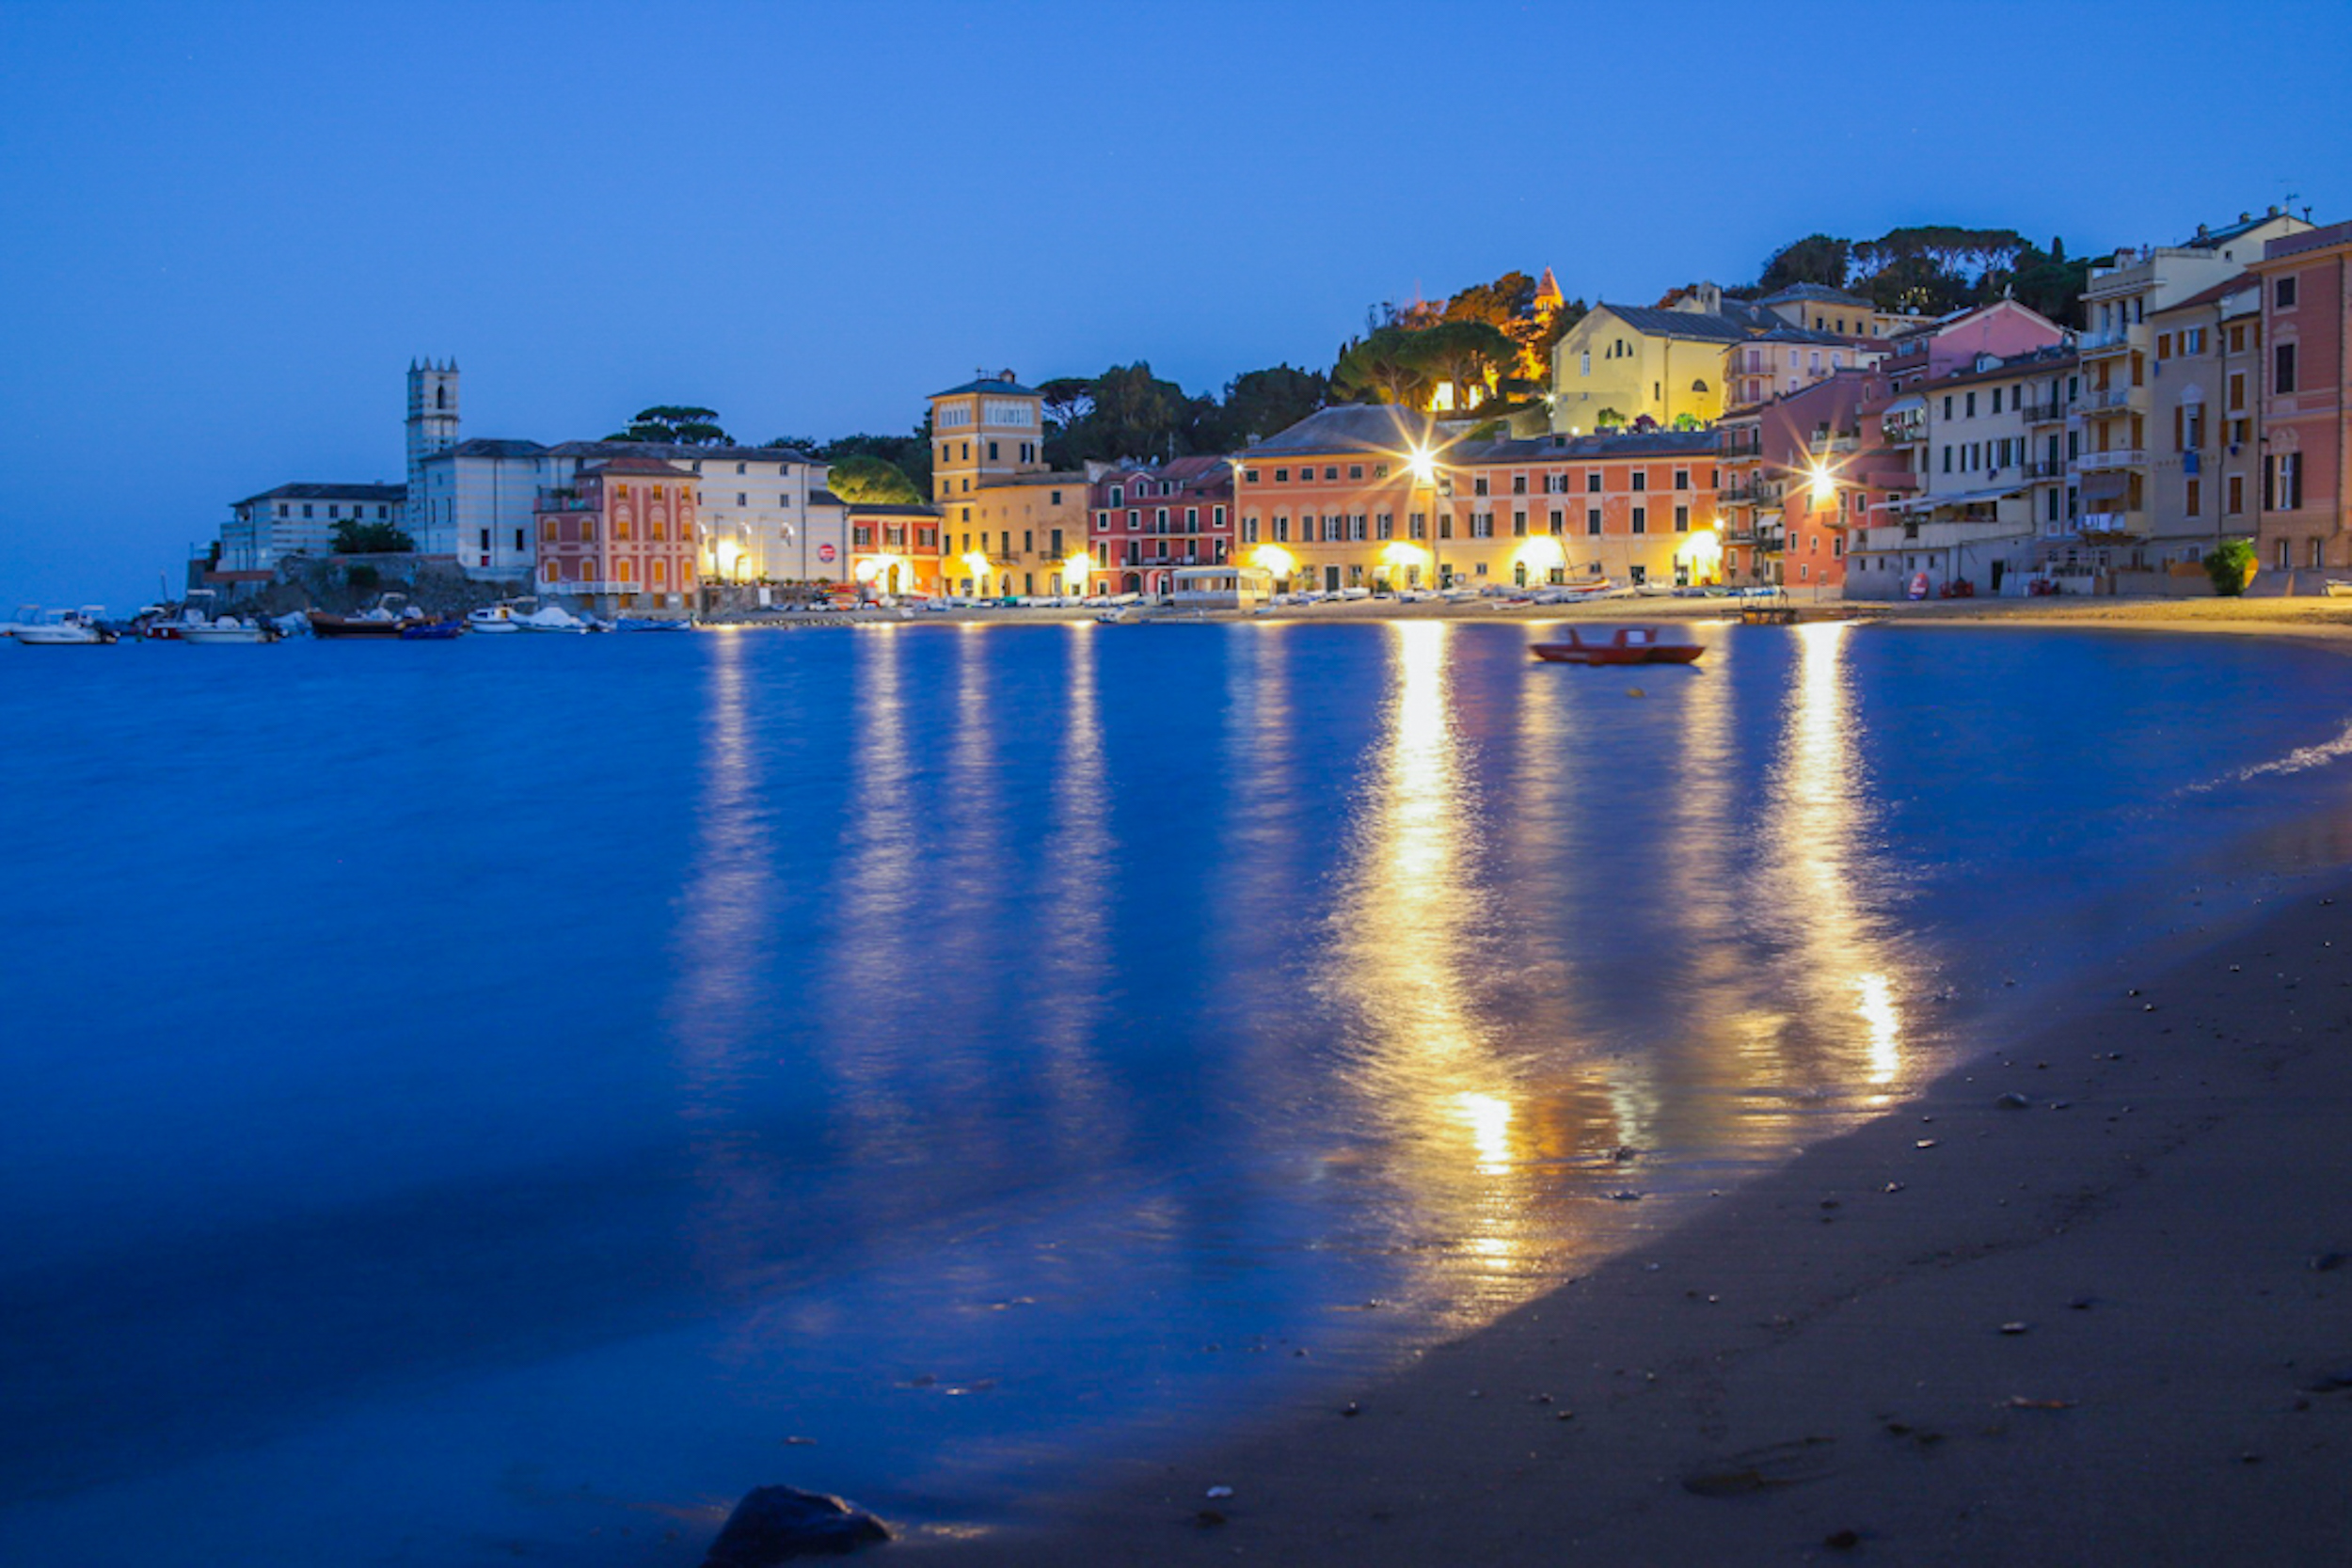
1422	463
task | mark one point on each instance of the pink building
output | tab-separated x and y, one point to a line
2307	401
621	534
1145	522
1952	343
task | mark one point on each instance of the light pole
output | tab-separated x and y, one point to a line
1422	463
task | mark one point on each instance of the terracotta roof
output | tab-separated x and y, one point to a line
652	465
2236	283
1351	427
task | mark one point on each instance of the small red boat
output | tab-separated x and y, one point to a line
1620	645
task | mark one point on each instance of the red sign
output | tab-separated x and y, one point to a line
825	552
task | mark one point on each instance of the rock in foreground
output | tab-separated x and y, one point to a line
777	1524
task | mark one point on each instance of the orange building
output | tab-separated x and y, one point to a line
894	549
621	534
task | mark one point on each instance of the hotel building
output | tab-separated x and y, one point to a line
2306	467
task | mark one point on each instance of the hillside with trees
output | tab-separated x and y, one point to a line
1493	339
1936	268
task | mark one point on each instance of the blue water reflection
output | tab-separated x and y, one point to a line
539	1077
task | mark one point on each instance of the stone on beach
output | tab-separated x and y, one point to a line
777	1524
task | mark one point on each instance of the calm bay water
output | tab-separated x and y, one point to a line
482	1100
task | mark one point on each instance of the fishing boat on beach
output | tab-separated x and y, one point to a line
1640	644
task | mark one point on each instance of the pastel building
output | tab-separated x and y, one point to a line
300	519
1793	486
2204	459
1979	483
1622	363
476	500
2114	473
1151	521
2306	284
1344	498
620	534
1634	508
894	550
1009	526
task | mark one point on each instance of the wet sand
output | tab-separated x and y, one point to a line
2110	1326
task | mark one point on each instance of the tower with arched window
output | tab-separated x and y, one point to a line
432	427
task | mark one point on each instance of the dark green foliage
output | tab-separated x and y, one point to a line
362	578
353	537
1933	269
1816	259
910	454
677	424
2231	565
862	480
1259	403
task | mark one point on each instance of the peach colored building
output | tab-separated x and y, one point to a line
1338	501
1635	509
622	534
2306	437
894	550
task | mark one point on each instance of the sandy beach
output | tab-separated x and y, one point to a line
2085	1301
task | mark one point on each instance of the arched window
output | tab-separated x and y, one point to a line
440	397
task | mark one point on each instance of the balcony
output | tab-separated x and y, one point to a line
2110	524
2052	412
2118	457
559	500
2047	468
1831	446
2115	339
2108	400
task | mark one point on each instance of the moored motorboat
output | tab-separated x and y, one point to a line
492	618
1638	644
85	627
227	629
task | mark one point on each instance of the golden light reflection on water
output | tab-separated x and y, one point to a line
1409	964
1844	967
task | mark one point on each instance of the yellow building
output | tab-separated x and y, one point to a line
1009	526
1624	362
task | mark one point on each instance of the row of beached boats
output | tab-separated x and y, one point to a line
389	619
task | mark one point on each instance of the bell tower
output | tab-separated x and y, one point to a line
432	427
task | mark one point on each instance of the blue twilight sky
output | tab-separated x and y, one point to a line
232	225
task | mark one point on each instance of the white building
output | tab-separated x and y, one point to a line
300	519
765	513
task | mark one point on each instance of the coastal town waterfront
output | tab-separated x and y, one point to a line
719	1059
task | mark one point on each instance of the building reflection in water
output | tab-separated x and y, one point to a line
723	950
1843	966
1071	1009
1412	956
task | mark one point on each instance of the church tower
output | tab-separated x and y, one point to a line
432	427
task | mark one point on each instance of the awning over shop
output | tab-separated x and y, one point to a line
2105	484
1962	497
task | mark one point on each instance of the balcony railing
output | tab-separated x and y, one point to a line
2052	412
2117	457
2047	468
2109	523
2111	397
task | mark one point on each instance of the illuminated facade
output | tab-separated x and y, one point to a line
1342	499
894	549
1622	363
1010	528
1150	522
1632	509
621	534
